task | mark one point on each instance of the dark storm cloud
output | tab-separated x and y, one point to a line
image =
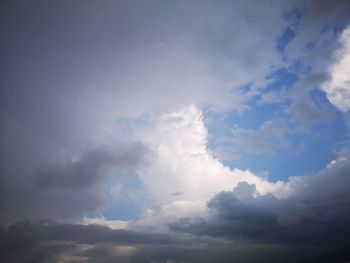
316	213
54	242
43	240
70	190
84	234
48	241
92	168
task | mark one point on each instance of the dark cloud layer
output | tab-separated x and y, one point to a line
92	166
48	241
84	234
43	240
317	213
72	189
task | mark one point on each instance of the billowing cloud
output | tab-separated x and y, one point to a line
338	87
314	214
183	164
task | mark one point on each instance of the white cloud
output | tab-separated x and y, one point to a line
184	164
183	174
338	87
101	220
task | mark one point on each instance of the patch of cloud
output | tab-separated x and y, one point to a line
338	87
92	167
304	108
71	189
269	138
315	29
273	97
101	220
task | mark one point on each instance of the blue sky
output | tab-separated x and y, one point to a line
310	149
311	146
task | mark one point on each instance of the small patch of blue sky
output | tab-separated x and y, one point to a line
292	19
305	161
121	208
298	68
256	114
341	130
319	98
281	78
122	211
287	36
312	152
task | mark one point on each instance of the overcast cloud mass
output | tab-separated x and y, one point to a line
175	131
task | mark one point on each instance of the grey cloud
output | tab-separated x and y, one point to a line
47	241
272	97
213	253
316	25
84	234
70	190
303	107
115	54
269	138
315	214
92	168
314	46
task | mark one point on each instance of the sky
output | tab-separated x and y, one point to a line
175	131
